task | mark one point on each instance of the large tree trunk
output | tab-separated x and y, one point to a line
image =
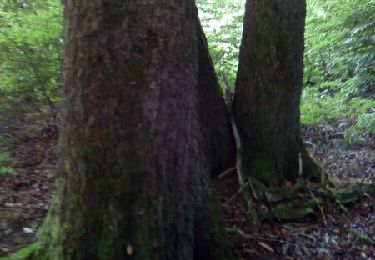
268	90
133	177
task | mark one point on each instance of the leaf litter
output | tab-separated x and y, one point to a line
334	230
341	227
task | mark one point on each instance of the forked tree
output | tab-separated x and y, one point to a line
145	126
268	91
135	155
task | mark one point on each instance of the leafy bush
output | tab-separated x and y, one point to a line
340	43
30	54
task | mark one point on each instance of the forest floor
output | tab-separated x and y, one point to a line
333	230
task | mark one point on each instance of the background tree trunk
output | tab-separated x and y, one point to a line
218	136
133	177
268	90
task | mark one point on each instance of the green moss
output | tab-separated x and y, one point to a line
25	253
345	196
258	186
219	240
265	48
264	171
289	211
311	169
313	203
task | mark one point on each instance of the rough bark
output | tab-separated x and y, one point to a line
218	136
268	90
133	178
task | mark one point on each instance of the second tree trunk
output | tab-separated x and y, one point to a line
268	90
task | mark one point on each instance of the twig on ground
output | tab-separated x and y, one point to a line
252	188
226	172
317	202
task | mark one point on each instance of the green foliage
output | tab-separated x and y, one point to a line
5	163
7	170
349	195
30	55
340	40
366	123
222	23
339	63
329	101
25	253
290	212
339	56
316	107
345	196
